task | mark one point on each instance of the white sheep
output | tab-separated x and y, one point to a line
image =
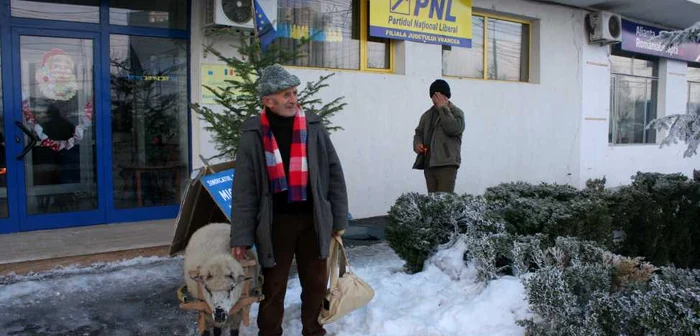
220	275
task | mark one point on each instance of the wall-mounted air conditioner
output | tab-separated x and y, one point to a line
604	28
236	13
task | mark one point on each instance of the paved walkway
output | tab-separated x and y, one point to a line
38	251
42	250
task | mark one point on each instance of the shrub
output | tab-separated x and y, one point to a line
419	223
660	216
553	210
579	288
620	296
501	253
575	286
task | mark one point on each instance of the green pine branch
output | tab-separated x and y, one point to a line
239	99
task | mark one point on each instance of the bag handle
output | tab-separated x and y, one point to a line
334	267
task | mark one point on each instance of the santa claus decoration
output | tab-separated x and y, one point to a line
57	83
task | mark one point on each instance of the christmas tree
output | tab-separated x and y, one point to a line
239	97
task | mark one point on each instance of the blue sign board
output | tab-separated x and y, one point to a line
219	186
640	38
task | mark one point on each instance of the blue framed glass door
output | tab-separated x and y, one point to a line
102	87
58	145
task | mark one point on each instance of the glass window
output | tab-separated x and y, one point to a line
508	53
155	14
58	89
150	141
63	10
466	62
694	73
378	50
633	98
506	47
693	89
337	34
378	53
626	64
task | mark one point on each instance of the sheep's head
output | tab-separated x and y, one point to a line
222	280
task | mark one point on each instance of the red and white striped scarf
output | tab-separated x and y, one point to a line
297	181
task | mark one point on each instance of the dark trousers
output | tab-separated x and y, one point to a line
441	179
293	236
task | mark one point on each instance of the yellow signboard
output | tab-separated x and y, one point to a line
445	22
215	76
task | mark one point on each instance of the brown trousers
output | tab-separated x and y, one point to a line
441	179
293	236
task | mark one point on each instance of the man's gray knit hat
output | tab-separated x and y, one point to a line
274	79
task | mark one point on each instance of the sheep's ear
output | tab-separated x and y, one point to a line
242	278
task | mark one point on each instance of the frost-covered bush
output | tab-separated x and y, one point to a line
660	216
419	223
657	308
575	286
502	253
552	210
615	295
683	278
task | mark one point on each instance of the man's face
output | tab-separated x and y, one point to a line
282	103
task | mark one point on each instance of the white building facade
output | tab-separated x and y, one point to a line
537	102
96	125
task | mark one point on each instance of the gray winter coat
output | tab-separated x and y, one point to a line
252	213
445	144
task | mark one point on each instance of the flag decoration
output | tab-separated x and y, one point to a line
263	26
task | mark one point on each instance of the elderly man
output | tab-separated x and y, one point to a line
280	207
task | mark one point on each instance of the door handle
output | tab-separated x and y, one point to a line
33	139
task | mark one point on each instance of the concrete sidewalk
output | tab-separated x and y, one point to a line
39	251
42	250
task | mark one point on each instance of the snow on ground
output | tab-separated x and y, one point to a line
133	297
444	299
137	297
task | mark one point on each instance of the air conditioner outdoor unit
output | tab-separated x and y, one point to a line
236	13
604	28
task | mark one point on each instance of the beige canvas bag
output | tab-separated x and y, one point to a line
347	292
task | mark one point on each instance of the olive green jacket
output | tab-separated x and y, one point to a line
443	137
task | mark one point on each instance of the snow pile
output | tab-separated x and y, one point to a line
445	299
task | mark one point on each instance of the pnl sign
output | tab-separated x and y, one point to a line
445	22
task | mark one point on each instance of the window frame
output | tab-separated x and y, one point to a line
364	38
486	16
614	76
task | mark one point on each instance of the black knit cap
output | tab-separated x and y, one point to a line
440	86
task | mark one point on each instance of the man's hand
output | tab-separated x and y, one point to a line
420	149
338	233
240	253
439	100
